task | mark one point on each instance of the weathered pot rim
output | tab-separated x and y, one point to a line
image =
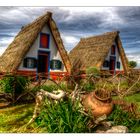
101	99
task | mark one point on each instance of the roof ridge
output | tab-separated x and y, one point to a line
48	14
99	35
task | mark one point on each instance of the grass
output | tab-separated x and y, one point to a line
135	98
63	117
122	118
13	118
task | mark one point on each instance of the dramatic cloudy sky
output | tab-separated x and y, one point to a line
77	22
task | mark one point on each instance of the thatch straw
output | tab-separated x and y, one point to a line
12	57
92	51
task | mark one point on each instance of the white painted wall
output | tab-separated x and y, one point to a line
117	59
54	53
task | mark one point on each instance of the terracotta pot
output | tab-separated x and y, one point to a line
96	105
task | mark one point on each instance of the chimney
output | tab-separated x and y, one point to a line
49	13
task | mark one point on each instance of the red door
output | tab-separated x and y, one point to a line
112	64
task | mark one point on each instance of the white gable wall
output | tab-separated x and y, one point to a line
54	53
117	59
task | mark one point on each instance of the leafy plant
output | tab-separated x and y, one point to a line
13	86
93	70
88	87
63	117
120	117
132	64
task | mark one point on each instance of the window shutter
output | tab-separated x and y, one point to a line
35	63
55	64
25	63
118	65
59	63
51	64
113	50
44	40
106	63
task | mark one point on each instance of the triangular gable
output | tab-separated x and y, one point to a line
92	51
12	57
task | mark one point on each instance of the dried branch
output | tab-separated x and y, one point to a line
53	96
132	86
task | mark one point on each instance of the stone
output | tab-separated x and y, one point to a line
103	127
100	131
107	123
117	129
100	119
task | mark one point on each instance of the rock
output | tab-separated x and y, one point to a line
107	123
103	126
114	129
100	131
118	129
100	119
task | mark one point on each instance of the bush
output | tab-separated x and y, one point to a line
14	84
88	87
63	117
93	70
120	117
132	64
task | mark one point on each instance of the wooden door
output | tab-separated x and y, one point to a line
43	59
112	64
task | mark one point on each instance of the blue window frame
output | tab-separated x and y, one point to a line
44	40
45	52
55	64
30	62
106	63
118	65
113	50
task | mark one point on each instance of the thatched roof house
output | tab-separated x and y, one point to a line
28	43
103	51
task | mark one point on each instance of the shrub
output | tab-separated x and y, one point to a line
120	117
88	87
93	70
132	64
14	84
63	117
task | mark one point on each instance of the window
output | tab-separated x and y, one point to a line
118	65
113	50
44	40
30	62
55	64
106	63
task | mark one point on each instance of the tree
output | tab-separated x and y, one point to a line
132	64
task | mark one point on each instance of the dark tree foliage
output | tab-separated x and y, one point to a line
132	64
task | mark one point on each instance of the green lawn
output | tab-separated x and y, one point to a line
135	98
13	118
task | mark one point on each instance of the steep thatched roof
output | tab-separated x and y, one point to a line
12	57
92	51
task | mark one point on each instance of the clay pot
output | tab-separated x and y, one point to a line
96	105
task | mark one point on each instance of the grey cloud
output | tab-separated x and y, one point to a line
76	24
